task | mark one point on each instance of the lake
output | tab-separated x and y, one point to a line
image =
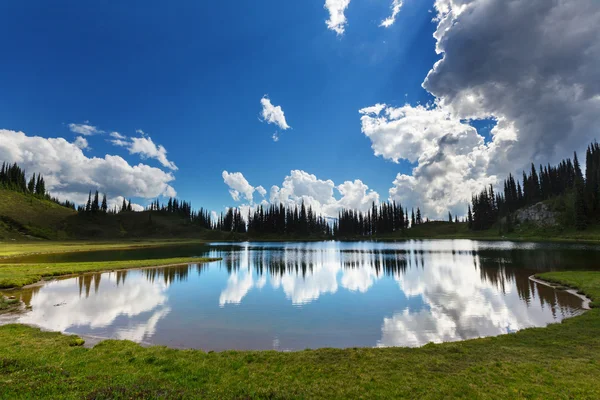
298	295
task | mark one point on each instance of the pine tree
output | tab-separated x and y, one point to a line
104	207
31	184
96	203
88	205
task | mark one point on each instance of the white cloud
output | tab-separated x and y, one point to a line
261	190
145	147
529	64
70	174
389	21
323	196
452	158
356	196
85	129
118	203
337	19
273	115
413	133
300	186
117	135
238	185
81	142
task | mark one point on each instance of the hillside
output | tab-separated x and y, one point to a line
146	224
26	216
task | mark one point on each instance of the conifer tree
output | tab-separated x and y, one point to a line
104	207
95	203
88	205
31	184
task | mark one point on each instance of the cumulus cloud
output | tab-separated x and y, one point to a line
117	202
337	19
389	21
531	65
301	186
323	196
238	185
452	158
70	174
273	115
145	147
85	129
261	190
81	142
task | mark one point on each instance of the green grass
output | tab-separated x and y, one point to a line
18	275
524	232
13	249
560	361
7	304
25	215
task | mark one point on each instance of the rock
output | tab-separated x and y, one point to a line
538	214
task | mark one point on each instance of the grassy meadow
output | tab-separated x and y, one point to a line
559	361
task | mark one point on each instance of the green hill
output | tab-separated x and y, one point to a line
26	216
146	224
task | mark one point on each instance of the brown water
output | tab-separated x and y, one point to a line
292	296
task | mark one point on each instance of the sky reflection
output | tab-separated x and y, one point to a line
310	295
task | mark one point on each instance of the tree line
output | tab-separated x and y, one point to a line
181	208
281	220
386	218
13	177
539	184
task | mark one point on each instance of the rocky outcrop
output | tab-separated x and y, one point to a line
538	214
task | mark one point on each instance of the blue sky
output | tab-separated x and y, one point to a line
191	75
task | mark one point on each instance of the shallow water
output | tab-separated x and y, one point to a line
291	296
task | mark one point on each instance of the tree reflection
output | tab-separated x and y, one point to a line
386	294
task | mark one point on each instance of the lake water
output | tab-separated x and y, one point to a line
292	296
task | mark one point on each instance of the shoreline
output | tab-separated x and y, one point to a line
586	305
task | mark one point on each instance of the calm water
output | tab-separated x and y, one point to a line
292	296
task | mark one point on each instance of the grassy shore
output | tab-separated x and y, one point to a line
560	361
13	248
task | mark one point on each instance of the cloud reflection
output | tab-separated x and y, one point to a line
462	305
61	307
326	294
